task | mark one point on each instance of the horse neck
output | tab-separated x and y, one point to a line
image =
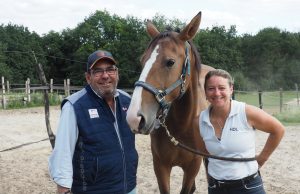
184	110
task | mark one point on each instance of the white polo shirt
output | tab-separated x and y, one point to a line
237	141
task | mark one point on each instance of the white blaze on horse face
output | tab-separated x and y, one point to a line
132	114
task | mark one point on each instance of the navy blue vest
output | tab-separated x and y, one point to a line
103	161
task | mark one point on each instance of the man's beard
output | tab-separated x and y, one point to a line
106	94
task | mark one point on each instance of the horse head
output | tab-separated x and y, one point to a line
167	63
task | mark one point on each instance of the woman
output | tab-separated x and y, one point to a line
228	130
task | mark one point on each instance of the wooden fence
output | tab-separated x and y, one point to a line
275	102
25	91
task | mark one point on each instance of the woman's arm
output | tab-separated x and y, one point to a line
261	120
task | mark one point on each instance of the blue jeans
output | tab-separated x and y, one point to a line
254	186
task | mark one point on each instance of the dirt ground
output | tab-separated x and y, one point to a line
25	170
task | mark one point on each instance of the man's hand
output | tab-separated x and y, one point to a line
62	190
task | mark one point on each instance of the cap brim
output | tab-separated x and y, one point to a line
104	58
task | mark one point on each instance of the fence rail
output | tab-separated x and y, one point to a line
272	102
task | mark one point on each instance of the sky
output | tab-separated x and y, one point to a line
249	16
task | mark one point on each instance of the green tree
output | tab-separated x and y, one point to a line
219	48
268	56
20	43
52	46
4	69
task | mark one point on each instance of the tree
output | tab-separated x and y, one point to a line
268	55
219	48
4	69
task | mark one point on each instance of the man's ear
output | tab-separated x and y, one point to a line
88	77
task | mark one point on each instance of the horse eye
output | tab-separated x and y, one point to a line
170	62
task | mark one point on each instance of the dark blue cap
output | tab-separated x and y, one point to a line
98	55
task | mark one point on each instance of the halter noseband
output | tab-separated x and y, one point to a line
160	94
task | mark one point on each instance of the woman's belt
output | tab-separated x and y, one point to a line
232	183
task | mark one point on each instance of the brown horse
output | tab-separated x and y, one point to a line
169	92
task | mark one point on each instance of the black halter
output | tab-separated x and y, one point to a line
160	93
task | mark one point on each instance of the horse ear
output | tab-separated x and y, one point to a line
191	29
151	29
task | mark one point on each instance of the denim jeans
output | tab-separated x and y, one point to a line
254	186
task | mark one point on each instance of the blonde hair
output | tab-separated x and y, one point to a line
220	73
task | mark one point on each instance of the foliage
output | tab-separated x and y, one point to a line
219	48
266	61
270	57
20	65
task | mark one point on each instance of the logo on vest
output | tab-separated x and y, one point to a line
124	109
93	113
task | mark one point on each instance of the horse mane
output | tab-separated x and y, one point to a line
170	33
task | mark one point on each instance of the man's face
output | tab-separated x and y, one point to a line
103	78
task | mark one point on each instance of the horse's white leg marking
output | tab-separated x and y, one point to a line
132	118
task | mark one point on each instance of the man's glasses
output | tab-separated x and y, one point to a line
98	72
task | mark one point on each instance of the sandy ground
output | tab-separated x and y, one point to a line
25	170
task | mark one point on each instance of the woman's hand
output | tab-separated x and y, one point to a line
260	160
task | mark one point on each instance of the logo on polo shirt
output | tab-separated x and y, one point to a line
233	129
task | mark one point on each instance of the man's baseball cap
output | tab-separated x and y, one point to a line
98	55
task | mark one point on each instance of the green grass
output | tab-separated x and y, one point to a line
16	100
270	100
289	115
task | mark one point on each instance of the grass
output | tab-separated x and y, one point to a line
19	100
288	115
270	100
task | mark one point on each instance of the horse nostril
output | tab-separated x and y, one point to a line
142	122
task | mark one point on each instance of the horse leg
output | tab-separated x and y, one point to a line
190	172
163	177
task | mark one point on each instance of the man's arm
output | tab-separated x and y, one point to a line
60	161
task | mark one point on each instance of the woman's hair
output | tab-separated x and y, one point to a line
220	73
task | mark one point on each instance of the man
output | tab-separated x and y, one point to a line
95	148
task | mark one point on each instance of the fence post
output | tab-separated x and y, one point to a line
51	86
3	85
260	99
68	87
7	86
65	87
297	91
3	93
280	100
28	90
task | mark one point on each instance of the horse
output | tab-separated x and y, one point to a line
168	98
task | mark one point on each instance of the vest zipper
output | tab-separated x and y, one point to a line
121	145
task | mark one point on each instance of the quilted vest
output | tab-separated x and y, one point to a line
103	161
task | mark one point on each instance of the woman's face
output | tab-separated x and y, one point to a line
218	91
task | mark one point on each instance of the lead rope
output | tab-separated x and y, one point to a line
198	152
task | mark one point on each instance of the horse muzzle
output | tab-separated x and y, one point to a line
141	123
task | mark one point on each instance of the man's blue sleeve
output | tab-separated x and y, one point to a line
60	161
